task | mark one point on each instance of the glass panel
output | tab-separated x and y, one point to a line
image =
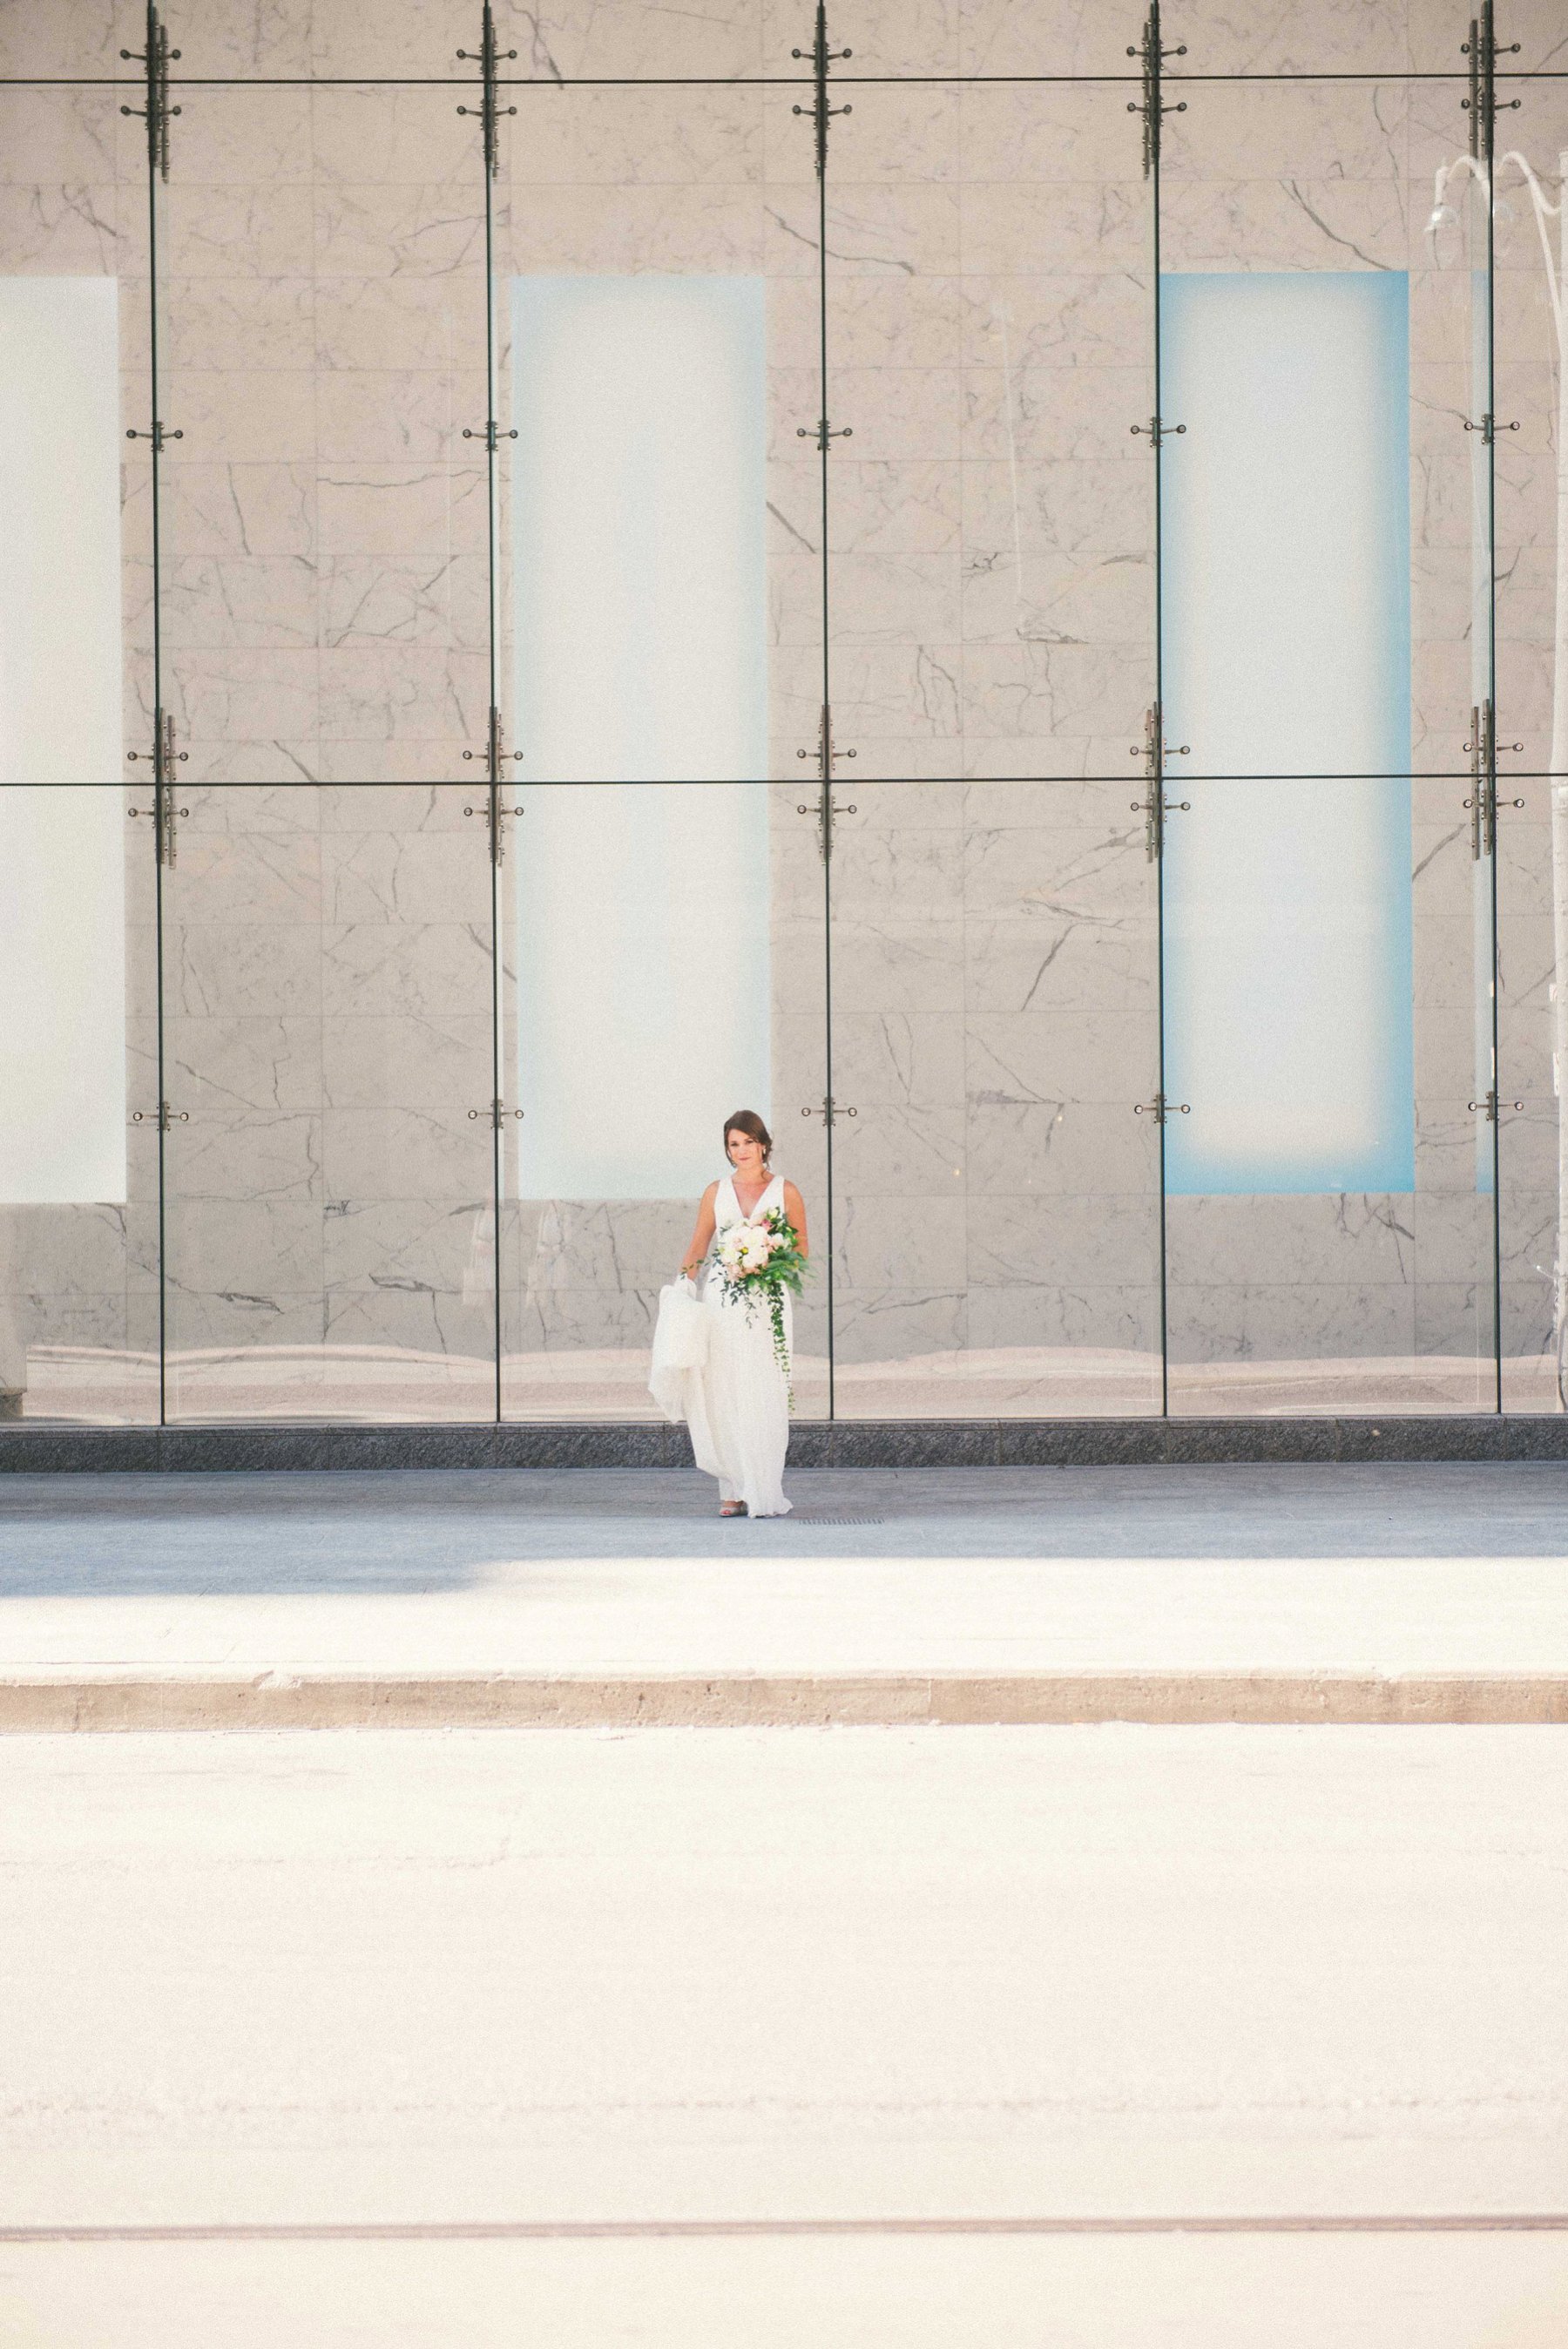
327	991
664	969
78	1180
1531	886
1529	269
1532	734
584	40
325	584
658	567
1336	1253
60	38
401	39
990	351
1295	215
998	36
997	1195
78	1301
1425	36
659	557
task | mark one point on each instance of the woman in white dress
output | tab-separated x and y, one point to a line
737	1407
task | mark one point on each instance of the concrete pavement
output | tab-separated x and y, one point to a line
1281	1982
1376	1594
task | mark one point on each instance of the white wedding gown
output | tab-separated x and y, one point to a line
737	1405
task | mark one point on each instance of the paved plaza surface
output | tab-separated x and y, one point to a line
595	1996
442	1529
1441	1591
1130	2036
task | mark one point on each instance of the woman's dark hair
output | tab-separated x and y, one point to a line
745	1121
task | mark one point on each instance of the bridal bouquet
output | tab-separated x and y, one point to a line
757	1261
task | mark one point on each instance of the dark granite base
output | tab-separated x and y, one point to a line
39	1449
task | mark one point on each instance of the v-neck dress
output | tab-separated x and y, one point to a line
737	1405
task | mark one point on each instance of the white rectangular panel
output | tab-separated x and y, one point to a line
638	508
641	654
642	984
62	852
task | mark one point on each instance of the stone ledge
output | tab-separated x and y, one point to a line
38	1448
747	1701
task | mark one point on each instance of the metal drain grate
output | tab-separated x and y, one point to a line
796	1518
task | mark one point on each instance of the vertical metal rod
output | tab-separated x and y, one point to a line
162	781
1157	785
489	164
1487	110
820	64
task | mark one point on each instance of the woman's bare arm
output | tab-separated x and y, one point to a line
702	1238
795	1208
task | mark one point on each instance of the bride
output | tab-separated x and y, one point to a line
738	1405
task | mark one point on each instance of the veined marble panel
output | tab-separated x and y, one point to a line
626	138
266	1062
408	1316
628	1247
891	36
1056	1146
222	877
412	138
425	969
884	1325
884	1055
1288	1320
405	1246
1086	1318
1107	1242
246	1155
252	509
1044	1056
229	1246
417	1062
1274	225
232	971
878	1244
406	1154
1058	37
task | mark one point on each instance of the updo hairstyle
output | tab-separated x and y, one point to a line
745	1121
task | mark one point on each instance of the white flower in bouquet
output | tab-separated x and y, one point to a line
757	1262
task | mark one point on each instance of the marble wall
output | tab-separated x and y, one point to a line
316	301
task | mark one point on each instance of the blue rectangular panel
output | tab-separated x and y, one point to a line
1287	643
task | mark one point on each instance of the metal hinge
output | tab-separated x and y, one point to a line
822	58
1154	807
163	1117
825	807
496	1112
1483	50
1160	1109
1151	105
822	432
157	57
1482	804
495	817
495	756
1488	428
1488	1103
1157	430
489	109
159	433
163	757
830	1110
